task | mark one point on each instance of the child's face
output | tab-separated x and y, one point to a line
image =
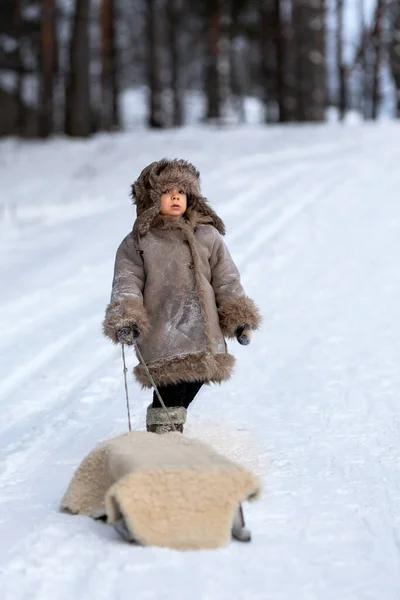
173	202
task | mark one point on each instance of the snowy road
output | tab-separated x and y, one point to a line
313	218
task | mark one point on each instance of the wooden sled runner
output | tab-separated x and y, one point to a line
163	490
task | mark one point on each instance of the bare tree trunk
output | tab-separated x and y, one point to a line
309	25
47	55
363	58
288	41
19	101
269	66
110	119
360	60
378	46
156	116
280	62
174	21
237	69
300	53
218	59
394	51
224	57
342	101
211	72
78	113
274	44
319	60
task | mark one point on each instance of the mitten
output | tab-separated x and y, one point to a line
243	334
127	335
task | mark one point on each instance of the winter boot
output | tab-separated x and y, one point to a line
157	420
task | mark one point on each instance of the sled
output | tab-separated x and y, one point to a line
239	531
163	490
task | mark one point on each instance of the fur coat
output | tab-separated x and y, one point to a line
175	279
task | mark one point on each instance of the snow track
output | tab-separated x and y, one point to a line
313	219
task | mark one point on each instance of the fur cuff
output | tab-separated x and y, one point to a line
158	416
123	313
237	312
203	366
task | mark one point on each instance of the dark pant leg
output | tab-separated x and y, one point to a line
178	394
191	391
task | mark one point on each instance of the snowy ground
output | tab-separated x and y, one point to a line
313	215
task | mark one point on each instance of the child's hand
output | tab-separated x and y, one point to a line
243	334
127	335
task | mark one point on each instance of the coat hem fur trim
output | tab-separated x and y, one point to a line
236	312
201	366
124	313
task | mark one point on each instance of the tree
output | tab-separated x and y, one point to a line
362	55
48	60
281	47
238	61
269	59
224	57
342	101
175	11
155	72
218	59
377	38
274	65
211	62
394	51
110	118
19	102
309	25
78	117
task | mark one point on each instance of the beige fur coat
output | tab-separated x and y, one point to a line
175	279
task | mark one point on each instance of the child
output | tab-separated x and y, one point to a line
177	291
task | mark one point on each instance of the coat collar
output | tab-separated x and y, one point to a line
188	222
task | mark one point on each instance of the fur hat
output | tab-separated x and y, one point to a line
166	174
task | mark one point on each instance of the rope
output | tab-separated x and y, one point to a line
151	381
126	387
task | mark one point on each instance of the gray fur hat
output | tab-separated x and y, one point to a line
165	174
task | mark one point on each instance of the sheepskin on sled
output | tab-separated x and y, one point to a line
168	489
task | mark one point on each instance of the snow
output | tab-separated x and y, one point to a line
313	217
